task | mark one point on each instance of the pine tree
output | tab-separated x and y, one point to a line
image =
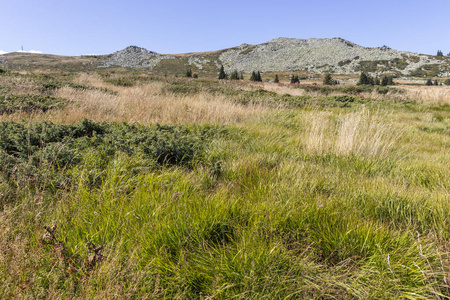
328	80
258	76
276	79
222	74
376	81
365	79
295	79
189	73
234	75
253	77
429	82
242	76
436	82
439	53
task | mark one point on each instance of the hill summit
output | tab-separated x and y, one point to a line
335	55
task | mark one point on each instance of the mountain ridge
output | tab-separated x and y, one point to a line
333	55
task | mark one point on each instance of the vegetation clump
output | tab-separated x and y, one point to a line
328	80
222	74
256	76
29	103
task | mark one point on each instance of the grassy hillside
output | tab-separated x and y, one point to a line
139	186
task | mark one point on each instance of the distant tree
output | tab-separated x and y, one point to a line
447	81
194	75
376	81
234	75
436	82
258	76
242	76
390	80
295	79
439	53
384	81
328	80
189	73
429	82
365	79
276	79
222	74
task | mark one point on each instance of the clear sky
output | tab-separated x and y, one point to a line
76	27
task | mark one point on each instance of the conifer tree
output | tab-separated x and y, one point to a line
328	80
189	73
234	75
222	74
253	77
436	82
295	79
429	82
365	79
439	53
258	76
276	79
376	81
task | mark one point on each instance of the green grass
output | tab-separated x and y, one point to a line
242	211
29	103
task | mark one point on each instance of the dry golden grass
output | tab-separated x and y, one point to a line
282	89
144	104
19	85
358	133
429	94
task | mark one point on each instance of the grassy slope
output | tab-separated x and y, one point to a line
317	201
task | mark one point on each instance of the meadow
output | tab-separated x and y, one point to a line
148	187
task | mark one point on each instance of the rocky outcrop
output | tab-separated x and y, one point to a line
319	56
334	55
135	57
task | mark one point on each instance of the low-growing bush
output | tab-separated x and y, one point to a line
29	103
122	81
33	151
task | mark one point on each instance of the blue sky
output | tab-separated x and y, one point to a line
76	27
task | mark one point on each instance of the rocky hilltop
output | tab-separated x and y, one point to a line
134	56
334	55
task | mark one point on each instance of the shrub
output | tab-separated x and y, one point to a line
29	103
31	151
328	80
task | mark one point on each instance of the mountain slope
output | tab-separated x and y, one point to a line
318	56
287	54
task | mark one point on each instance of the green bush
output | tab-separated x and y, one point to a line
30	152
29	103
